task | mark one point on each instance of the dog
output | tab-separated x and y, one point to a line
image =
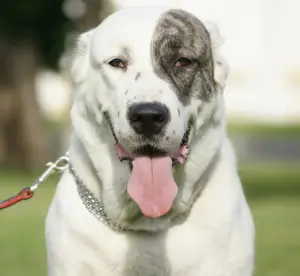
152	185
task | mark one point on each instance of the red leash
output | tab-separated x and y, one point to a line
22	195
59	165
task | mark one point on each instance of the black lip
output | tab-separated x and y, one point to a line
130	162
149	150
125	159
186	136
111	126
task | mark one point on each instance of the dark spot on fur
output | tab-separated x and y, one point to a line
118	113
167	138
199	109
178	112
126	92
174	132
138	75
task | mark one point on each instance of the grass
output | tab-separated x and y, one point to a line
265	130
273	193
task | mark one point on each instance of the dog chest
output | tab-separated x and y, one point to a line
182	251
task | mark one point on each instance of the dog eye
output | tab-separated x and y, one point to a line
183	62
116	62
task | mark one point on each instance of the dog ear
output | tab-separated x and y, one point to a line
80	64
221	67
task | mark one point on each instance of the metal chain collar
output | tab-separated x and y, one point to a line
92	204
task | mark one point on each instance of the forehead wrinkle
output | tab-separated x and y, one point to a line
175	33
192	30
184	23
125	52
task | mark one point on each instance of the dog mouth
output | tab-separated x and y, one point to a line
178	158
151	183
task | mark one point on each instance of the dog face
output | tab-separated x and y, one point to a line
149	73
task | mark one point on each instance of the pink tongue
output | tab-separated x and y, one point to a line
151	185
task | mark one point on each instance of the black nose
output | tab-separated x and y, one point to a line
148	118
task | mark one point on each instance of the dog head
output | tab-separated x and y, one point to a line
150	78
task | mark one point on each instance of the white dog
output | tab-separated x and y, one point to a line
152	187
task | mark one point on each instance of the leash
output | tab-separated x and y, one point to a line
58	166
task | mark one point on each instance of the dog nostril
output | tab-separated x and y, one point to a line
159	118
135	118
148	118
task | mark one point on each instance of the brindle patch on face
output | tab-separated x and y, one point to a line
180	34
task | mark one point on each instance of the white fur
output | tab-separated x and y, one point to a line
215	238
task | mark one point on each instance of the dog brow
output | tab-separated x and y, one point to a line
125	53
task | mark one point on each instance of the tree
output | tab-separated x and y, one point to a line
32	36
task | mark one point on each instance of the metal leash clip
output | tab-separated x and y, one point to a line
58	166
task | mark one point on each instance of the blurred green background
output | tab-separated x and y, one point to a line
36	46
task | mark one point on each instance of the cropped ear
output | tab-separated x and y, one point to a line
221	67
80	64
